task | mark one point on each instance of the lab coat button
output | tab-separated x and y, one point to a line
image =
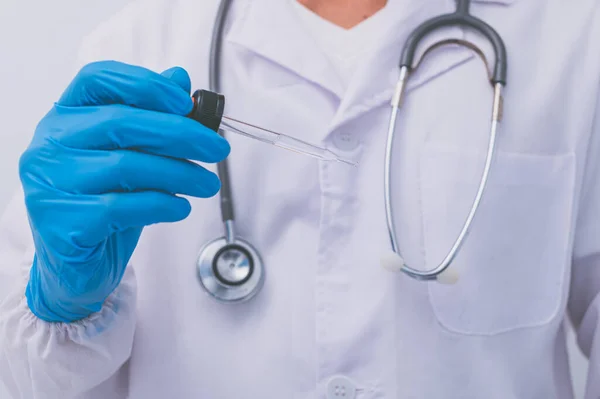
345	141
341	387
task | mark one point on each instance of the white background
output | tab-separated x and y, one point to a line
38	41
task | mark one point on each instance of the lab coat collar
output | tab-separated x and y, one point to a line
270	29
376	79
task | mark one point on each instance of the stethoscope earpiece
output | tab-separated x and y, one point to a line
449	276
393	262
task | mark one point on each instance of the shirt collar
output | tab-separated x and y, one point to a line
271	29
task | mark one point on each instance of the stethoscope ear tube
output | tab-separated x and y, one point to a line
394	260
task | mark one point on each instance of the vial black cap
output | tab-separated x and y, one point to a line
208	108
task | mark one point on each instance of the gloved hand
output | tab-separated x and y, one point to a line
107	160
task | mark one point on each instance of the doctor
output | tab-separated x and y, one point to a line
98	251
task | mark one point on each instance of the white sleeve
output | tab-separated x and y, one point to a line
584	301
56	360
85	359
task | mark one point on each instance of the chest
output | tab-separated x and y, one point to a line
321	227
308	212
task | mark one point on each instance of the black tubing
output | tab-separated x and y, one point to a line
214	77
464	20
462	7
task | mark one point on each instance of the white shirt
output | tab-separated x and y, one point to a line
346	49
327	308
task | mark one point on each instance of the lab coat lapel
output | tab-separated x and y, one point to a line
270	29
375	80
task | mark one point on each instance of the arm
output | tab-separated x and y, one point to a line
53	360
48	360
67	325
584	300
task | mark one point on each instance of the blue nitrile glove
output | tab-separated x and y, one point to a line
107	160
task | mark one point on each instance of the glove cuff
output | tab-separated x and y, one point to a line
45	304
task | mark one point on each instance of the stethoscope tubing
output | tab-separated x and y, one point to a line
214	79
460	18
208	271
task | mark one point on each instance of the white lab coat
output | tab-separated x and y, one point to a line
327	308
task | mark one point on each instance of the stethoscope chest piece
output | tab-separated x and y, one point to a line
230	271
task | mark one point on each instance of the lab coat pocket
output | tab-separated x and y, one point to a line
513	263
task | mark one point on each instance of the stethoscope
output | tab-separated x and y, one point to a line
231	269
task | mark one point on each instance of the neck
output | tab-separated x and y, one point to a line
344	13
